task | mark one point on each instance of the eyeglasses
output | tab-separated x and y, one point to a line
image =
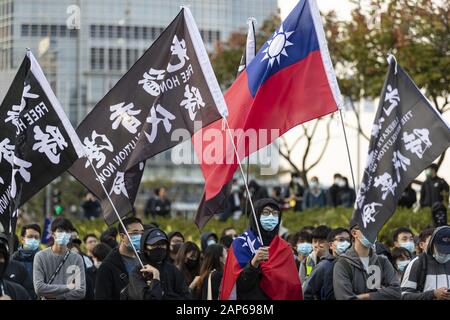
154	246
342	239
267	212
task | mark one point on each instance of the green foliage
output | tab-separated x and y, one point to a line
294	221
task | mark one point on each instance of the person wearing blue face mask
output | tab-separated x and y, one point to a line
302	245
360	274
267	267
59	273
401	257
319	285
427	277
113	273
404	238
30	239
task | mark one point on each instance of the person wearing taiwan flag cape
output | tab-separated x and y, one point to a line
254	271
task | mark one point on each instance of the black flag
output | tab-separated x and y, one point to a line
37	141
408	134
169	88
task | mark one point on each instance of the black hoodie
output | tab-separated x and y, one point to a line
171	285
267	236
247	284
9	288
204	239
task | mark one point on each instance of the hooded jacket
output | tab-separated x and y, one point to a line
247	284
204	239
437	274
319	285
9	288
112	277
171	285
350	278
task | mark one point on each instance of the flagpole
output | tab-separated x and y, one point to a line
243	178
348	150
117	214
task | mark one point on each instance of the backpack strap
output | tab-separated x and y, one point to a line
58	268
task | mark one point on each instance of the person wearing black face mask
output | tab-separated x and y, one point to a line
176	240
8	289
159	279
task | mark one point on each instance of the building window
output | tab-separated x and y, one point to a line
101	58
44	30
34	30
119	31
144	33
101	32
111	32
53	30
93	30
62	30
127	32
25	32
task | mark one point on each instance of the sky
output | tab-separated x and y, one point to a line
342	7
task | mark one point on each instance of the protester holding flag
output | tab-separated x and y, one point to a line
261	268
30	238
361	274
158	279
113	274
428	275
59	273
8	290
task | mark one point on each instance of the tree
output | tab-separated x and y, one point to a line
308	136
416	32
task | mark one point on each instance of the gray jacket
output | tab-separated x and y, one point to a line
351	279
437	275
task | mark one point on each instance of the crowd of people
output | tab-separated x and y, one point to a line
140	261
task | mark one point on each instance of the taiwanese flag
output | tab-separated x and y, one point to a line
290	81
279	280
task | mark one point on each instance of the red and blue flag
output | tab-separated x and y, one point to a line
279	280
290	81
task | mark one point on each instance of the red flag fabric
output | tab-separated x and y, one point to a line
290	81
280	280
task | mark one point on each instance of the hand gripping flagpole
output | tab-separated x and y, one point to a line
117	214
243	178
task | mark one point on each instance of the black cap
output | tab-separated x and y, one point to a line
442	240
156	235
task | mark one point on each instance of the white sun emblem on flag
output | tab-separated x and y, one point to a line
277	46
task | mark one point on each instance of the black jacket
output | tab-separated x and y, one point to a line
247	284
171	285
16	272
433	190
319	285
216	279
13	290
26	258
111	278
